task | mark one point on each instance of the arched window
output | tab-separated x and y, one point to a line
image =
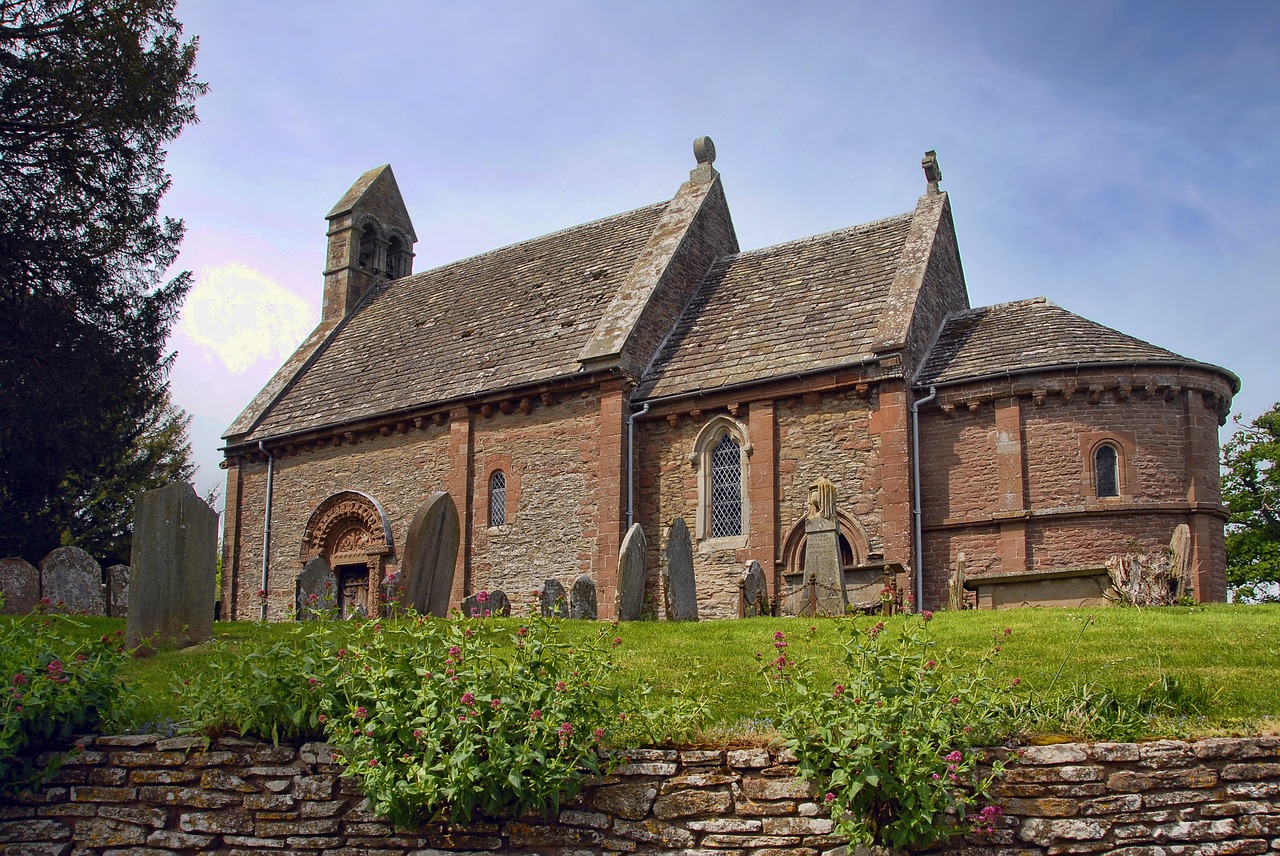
498	498
395	258
1106	474
720	454
726	489
368	246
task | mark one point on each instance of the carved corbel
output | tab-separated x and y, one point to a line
526	405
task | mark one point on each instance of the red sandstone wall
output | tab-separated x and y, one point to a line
1006	474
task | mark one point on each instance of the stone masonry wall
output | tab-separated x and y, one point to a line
1006	474
150	796
548	455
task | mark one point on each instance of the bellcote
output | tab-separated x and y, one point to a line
371	240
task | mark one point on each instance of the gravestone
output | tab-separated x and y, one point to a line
629	600
554	601
755	591
173	567
582	600
682	592
316	590
822	549
20	583
118	591
486	604
72	581
430	555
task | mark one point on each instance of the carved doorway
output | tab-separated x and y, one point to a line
353	591
351	532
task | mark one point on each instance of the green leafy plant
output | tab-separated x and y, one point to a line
273	689
445	719
891	746
56	684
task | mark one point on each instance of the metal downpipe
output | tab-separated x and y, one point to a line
918	524
266	526
631	463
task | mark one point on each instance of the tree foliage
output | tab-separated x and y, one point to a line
1251	487
90	92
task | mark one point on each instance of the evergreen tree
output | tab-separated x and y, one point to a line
90	92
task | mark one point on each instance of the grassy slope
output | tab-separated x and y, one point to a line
1231	652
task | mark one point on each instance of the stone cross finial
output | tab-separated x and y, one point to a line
932	172
705	152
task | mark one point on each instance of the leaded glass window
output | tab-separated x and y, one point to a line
1104	471
726	489
498	498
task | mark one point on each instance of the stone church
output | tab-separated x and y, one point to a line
643	368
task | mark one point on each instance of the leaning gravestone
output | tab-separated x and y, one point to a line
629	600
822	549
755	591
171	584
430	555
682	593
20	584
582	600
117	591
553	600
316	590
72	581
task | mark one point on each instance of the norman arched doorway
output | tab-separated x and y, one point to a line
351	532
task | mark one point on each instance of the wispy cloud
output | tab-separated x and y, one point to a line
242	316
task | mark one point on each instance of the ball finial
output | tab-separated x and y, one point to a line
704	150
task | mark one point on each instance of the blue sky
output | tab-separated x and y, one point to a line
1114	157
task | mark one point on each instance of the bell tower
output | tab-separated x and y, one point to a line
371	240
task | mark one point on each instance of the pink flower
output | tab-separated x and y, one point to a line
926	615
829	798
262	592
482	597
953	700
839	691
1017	681
779	636
954	756
522	632
560	686
536	715
455	652
373	762
361	713
598	734
1008	631
468	699
495	703
475	612
19	678
617	640
323	718
565	729
929	664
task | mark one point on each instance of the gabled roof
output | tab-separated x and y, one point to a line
1025	335
511	316
793	307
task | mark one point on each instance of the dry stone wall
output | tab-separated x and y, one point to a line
151	796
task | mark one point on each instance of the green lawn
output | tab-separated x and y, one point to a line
1221	660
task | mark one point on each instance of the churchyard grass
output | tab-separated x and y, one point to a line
1178	671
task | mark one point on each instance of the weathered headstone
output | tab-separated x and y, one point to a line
554	600
822	549
430	555
316	590
682	592
755	591
72	581
486	604
117	591
172	568
629	600
582	600
20	583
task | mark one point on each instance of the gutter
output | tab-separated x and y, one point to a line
746	384
915	494
266	525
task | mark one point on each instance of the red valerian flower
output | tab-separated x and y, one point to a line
536	715
468	699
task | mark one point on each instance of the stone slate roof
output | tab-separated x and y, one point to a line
793	307
512	316
1031	334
